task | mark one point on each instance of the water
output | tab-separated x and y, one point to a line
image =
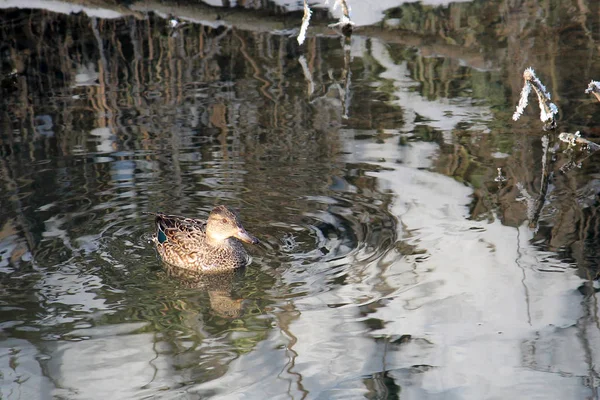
393	263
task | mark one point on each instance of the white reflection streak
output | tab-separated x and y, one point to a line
523	275
347	75
535	207
523	101
528	199
545	143
307	74
100	46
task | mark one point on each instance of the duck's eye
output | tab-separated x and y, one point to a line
224	220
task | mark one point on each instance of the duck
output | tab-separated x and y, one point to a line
213	245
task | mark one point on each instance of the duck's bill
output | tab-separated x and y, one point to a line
245	236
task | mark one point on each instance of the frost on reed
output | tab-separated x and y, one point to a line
570	138
594	88
547	109
345	24
575	138
305	21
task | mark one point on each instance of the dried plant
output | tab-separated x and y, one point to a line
594	88
305	22
548	110
575	138
345	24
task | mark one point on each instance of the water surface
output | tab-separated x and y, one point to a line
393	264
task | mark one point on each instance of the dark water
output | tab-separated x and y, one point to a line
393	262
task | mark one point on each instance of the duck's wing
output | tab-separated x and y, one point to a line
178	230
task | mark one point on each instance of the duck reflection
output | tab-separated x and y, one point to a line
219	287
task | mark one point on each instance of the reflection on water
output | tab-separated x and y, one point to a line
392	259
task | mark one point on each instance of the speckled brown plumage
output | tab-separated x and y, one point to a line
203	246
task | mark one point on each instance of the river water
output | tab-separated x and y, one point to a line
416	242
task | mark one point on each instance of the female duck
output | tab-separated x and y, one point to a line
203	246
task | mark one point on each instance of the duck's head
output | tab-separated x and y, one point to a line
223	224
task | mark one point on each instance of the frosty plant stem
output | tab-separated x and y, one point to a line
345	24
305	21
547	109
594	88
575	138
